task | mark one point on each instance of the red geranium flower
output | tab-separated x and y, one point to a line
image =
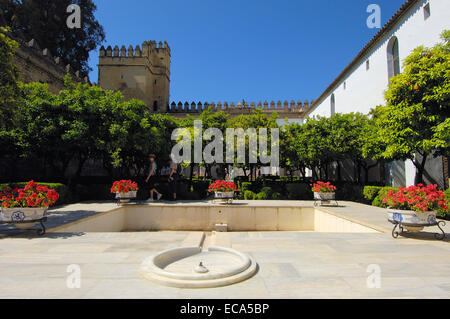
419	198
124	186
322	187
32	195
222	186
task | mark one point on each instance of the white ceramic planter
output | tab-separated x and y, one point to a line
223	195
19	216
125	197
410	217
324	196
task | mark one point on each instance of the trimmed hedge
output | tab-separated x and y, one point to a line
262	196
349	192
268	191
299	191
257	190
382	194
276	196
245	186
249	195
277	189
370	193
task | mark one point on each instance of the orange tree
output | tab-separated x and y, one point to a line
9	102
415	119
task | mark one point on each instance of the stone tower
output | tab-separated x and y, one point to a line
138	73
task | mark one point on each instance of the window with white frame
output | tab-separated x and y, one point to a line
393	59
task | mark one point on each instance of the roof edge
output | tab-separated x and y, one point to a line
379	35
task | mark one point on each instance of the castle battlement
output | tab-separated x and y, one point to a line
146	50
32	61
143	72
292	109
38	65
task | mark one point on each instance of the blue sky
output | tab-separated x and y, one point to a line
255	50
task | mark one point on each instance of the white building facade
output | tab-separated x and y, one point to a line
361	86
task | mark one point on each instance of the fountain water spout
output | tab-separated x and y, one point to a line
201	269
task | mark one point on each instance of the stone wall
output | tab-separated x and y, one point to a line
142	73
291	110
38	65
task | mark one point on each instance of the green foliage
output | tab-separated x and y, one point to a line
209	120
245	186
382	194
312	143
442	213
249	195
262	196
276	196
299	191
257	120
65	195
86	122
289	157
268	191
415	118
374	144
9	89
350	192
321	141
370	192
45	21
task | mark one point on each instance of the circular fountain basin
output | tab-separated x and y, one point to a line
177	267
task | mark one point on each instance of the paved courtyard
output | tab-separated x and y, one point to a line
291	264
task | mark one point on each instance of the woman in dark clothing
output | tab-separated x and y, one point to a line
151	179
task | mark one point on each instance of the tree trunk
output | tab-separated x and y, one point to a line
208	171
191	174
420	168
303	171
339	173
367	169
81	162
108	168
359	172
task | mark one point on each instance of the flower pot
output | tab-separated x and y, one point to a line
410	219
324	196
223	195
125	197
19	216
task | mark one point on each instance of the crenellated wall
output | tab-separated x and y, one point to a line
37	65
291	109
142	72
